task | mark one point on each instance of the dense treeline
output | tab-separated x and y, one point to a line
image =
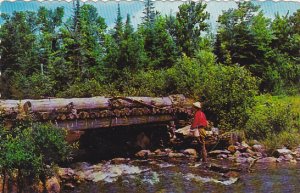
44	55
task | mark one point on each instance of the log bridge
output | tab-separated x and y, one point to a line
80	114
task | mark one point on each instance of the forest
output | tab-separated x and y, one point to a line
45	55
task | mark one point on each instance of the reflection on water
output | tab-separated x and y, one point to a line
186	177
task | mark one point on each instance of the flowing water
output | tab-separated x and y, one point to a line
180	176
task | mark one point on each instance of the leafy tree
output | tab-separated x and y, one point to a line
234	39
191	22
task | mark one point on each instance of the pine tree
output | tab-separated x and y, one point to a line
149	12
118	28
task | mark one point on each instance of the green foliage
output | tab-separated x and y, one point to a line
35	86
88	88
190	23
266	48
29	151
272	117
228	90
289	139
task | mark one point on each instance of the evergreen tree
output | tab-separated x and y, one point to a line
149	12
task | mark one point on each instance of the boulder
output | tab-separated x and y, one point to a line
119	161
267	160
222	156
258	148
231	148
280	152
52	185
242	147
191	152
241	160
66	173
293	161
175	155
158	151
143	153
217	152
250	160
69	186
288	157
232	174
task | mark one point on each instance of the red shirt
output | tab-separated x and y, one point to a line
199	120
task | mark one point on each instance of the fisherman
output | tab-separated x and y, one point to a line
198	129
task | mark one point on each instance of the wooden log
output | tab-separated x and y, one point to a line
66	105
113	122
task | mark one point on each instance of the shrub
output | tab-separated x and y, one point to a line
229	90
273	119
29	151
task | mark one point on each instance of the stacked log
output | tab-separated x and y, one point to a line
96	112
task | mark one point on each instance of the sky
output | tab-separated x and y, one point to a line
108	9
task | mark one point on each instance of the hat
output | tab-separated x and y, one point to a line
197	104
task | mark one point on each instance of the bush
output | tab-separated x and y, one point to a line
88	88
274	120
34	86
29	151
144	83
289	139
229	90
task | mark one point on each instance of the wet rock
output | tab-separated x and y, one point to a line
246	155
250	160
280	152
66	173
231	158
175	155
244	144
217	152
258	148
280	159
231	148
236	154
119	161
52	185
293	161
158	151
232	174
288	157
167	150
242	147
258	154
221	168
190	152
241	160
267	160
297	152
222	156
143	153
298	159
69	186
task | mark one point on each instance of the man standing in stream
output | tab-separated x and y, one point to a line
197	129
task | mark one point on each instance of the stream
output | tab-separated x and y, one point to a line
184	175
